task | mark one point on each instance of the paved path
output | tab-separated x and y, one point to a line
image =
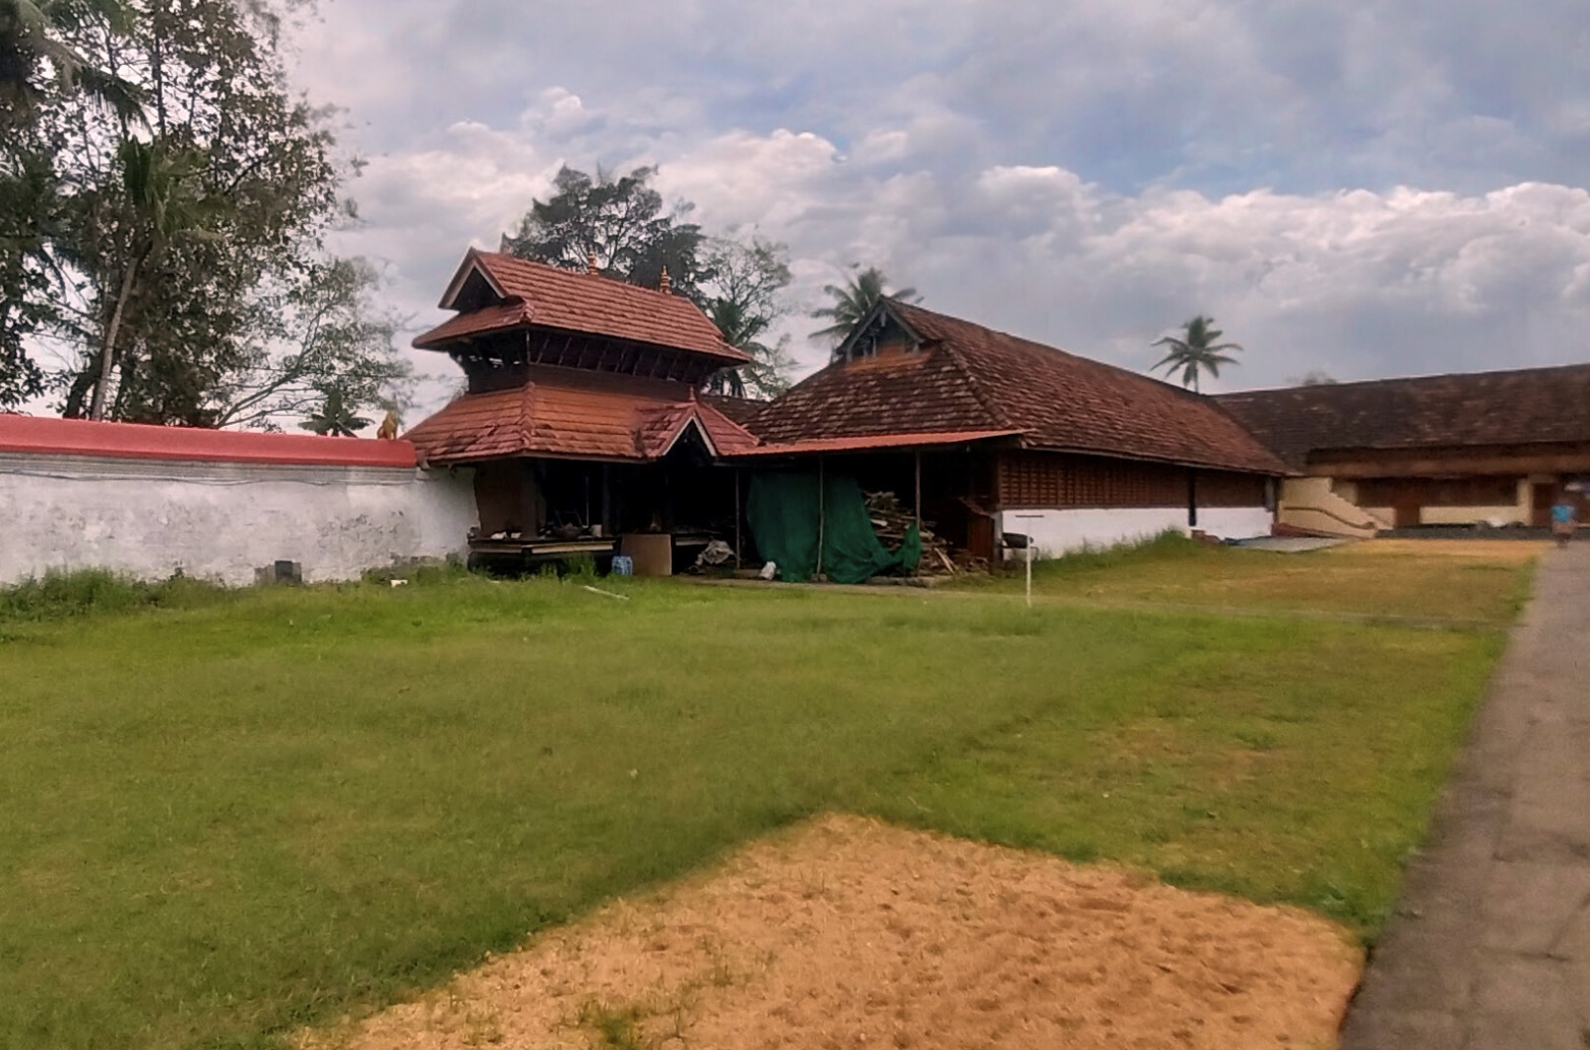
1490	946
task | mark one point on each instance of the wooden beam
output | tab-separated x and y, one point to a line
1453	466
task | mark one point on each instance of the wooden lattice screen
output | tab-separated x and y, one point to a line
1058	480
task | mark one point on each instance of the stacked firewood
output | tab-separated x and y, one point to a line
890	520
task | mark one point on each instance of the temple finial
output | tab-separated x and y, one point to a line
590	263
665	285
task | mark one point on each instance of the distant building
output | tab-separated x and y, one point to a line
1488	447
1021	438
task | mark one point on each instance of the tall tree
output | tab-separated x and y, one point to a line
39	69
854	300
33	53
189	291
161	202
620	222
1196	351
743	298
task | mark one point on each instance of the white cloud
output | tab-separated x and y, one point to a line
1089	174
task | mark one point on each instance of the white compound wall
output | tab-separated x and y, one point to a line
222	521
1059	531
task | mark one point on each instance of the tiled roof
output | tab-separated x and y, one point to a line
969	378
42	435
551	297
930	439
568	412
1526	406
739	409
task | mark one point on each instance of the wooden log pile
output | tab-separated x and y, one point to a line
890	519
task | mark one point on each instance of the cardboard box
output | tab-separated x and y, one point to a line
652	552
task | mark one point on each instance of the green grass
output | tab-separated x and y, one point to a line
62	595
1351	581
225	821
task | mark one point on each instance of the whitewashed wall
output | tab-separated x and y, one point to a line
222	521
1059	531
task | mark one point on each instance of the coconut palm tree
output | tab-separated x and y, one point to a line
336	417
161	206
1195	351
30	34
854	301
743	329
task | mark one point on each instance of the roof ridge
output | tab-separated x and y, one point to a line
565	271
1389	380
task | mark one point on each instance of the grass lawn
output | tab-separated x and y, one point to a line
226	821
1389	580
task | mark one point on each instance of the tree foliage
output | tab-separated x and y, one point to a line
744	289
179	255
854	300
622	224
1196	351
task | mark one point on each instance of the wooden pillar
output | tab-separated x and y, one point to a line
1192	498
607	499
738	514
918	492
822	511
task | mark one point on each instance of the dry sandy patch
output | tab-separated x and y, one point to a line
1509	552
845	932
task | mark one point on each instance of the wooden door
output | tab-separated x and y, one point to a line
980	537
1545	494
1406	507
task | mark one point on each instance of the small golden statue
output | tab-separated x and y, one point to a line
389	426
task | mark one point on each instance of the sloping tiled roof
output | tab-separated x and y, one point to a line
739	409
567	412
551	297
1520	407
42	435
969	378
879	442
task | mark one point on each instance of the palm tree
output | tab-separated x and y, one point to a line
743	330
161	208
335	417
1196	351
30	33
854	301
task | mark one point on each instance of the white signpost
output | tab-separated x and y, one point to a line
1030	543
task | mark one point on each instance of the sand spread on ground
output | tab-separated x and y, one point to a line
1509	552
845	932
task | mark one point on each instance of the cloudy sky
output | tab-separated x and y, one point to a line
1373	188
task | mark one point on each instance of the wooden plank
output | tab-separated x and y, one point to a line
1453	466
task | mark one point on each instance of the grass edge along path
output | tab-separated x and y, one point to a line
233	820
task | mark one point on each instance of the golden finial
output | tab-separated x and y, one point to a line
665	286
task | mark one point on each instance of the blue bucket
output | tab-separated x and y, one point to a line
623	565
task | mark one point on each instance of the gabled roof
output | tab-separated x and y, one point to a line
932	439
1521	407
531	294
42	435
962	377
577	414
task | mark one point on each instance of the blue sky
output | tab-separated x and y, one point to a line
1368	189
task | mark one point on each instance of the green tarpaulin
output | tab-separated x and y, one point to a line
784	511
